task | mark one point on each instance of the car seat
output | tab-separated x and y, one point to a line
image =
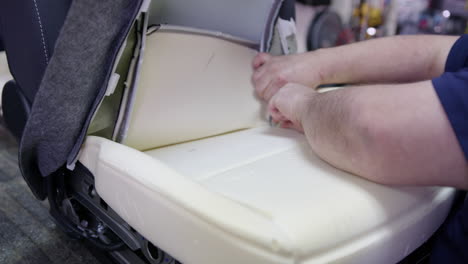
167	156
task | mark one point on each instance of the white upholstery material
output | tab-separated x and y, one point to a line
260	196
163	205
191	86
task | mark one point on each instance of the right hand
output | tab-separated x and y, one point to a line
273	72
290	105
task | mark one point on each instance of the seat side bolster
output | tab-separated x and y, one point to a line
131	181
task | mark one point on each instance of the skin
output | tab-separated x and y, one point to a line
395	134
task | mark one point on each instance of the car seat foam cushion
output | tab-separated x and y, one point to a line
260	196
192	86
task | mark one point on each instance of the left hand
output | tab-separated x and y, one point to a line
273	72
289	106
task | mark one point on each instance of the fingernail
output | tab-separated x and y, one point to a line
271	122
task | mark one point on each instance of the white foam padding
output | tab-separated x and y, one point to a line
260	196
192	86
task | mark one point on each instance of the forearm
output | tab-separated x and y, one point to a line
390	134
330	125
386	60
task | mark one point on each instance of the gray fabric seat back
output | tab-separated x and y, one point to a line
251	20
74	83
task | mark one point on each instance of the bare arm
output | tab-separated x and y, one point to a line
393	59
391	136
386	60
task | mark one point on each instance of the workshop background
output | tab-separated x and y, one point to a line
27	233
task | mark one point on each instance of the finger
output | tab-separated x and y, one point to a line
286	124
260	80
291	125
298	127
269	92
260	59
261	87
273	87
258	74
275	113
277	118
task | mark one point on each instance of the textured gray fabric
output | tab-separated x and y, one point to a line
73	85
246	19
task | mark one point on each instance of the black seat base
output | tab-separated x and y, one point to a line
16	108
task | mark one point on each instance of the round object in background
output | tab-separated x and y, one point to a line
325	31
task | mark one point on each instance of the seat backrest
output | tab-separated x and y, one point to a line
192	86
195	79
247	19
29	30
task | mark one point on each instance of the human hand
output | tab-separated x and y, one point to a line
273	72
290	104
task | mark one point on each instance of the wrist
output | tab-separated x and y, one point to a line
305	106
320	69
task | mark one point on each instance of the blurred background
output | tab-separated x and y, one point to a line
323	23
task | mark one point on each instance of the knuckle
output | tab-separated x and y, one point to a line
280	80
264	55
261	57
256	60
